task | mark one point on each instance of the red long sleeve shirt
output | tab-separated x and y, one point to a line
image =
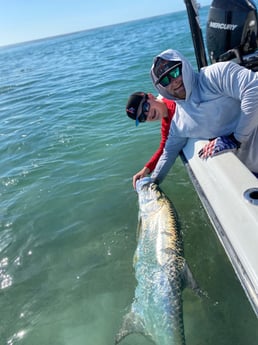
165	126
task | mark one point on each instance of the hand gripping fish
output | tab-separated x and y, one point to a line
160	269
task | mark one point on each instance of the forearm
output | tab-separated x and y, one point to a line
162	168
167	159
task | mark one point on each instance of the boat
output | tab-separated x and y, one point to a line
225	186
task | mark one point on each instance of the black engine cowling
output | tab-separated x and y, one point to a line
231	32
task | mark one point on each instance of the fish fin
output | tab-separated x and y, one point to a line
132	323
138	230
190	282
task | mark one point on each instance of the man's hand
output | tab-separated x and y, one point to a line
142	173
219	145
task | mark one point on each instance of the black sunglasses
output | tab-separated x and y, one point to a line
145	108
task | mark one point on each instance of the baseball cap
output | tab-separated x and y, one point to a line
133	104
162	67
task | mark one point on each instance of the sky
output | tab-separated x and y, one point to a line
27	20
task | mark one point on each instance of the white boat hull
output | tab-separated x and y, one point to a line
229	193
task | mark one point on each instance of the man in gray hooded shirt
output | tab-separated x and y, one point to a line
219	102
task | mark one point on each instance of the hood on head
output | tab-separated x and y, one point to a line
188	74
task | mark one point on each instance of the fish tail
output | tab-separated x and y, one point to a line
132	323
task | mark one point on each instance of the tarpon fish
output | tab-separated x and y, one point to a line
160	269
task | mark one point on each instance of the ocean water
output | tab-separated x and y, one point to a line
68	211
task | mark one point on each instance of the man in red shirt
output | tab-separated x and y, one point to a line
143	107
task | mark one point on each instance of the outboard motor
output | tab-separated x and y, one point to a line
232	32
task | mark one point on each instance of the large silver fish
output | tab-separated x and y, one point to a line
161	271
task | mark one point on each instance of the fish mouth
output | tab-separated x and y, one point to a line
141	183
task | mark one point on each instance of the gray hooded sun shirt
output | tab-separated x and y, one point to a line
220	99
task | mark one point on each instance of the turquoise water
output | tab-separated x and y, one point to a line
68	214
